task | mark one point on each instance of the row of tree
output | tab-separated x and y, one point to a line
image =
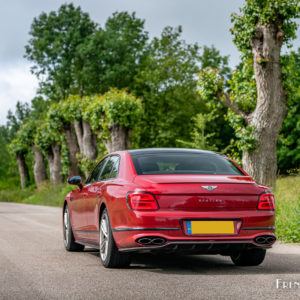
70	131
110	88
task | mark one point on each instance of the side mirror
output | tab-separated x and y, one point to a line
75	180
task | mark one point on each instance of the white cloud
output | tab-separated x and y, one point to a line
16	84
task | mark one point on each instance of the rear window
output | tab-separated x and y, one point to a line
183	163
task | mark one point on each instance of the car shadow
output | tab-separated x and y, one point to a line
214	264
274	263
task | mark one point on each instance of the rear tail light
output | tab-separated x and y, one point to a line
266	202
141	201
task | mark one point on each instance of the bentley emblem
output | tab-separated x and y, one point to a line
209	187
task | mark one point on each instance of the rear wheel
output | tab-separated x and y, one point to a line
69	240
252	257
109	253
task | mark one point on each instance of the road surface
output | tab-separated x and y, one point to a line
35	265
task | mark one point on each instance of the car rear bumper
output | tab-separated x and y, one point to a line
204	247
128	240
171	228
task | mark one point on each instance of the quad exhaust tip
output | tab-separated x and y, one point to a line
151	240
265	240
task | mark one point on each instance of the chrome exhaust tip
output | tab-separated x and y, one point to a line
151	240
265	240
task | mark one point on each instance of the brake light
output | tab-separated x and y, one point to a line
141	201
266	202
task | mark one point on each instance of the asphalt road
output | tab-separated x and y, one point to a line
35	265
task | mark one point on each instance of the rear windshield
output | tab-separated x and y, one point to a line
183	163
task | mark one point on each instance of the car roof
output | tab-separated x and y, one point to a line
167	150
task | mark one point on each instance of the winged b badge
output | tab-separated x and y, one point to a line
209	187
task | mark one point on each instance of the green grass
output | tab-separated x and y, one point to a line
287	203
287	197
9	183
46	195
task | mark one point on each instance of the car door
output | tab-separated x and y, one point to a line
76	207
79	204
108	172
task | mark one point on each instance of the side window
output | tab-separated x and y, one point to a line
111	168
94	177
115	168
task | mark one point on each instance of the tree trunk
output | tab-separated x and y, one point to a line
108	145
119	138
23	170
54	159
89	141
73	148
270	110
39	168
79	134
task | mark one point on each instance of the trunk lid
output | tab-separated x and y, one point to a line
202	192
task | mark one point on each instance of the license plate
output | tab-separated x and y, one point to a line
210	227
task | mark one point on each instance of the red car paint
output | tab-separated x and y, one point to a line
180	198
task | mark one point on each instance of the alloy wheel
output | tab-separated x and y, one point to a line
104	237
66	226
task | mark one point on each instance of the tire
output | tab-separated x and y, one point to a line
108	251
253	257
69	240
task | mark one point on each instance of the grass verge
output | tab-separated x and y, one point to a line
287	197
45	195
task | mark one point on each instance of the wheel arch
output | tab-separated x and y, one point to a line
65	204
102	207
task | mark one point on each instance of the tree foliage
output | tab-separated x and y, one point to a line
167	86
115	107
240	99
124	49
254	13
53	48
214	71
15	120
45	136
74	106
212	58
288	150
112	55
243	96
200	138
24	138
5	158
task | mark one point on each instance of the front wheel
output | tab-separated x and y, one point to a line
69	240
109	253
252	257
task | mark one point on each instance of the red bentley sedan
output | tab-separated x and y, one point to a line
169	200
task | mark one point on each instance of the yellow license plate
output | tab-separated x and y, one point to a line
210	227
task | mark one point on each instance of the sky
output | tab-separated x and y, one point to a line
203	22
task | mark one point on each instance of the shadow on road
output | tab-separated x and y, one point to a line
210	264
